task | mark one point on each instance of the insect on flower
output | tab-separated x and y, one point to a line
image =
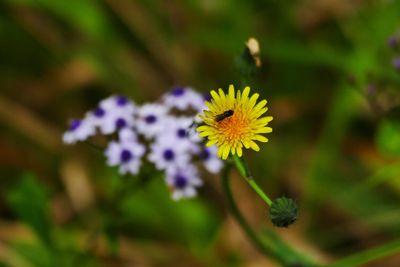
224	115
245	125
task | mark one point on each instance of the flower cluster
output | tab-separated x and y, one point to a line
161	133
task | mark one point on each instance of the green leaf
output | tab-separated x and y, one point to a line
388	137
29	201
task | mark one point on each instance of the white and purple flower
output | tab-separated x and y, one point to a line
151	119
79	130
169	155
178	130
126	153
183	98
113	113
183	182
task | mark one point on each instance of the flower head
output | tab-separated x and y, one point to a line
183	182
126	153
113	114
151	119
233	121
79	130
183	98
166	156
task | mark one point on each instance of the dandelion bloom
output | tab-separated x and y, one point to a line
233	121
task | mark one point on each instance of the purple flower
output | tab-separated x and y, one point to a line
79	130
183	182
151	120
179	131
126	153
113	114
183	98
169	155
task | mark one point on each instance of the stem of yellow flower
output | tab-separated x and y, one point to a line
266	242
245	173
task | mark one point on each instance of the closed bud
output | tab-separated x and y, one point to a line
283	212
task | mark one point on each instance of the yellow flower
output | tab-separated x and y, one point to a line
232	122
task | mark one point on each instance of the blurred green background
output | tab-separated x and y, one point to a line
327	74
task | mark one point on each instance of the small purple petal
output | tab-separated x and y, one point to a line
126	156
150	119
178	91
99	112
120	123
180	181
169	155
74	124
121	100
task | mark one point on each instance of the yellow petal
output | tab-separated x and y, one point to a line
225	152
252	101
254	146
245	93
263	130
215	96
204	134
260	105
261	138
239	151
211	142
204	128
246	144
258	113
231	92
238	96
219	154
233	150
210	106
264	120
221	94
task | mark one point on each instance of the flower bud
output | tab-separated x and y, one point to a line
283	212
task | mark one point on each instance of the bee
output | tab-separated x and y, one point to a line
224	115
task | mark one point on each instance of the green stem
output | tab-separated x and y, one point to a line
238	216
367	256
268	243
245	172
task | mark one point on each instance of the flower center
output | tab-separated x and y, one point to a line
150	119
204	154
126	156
121	101
234	127
99	112
180	181
179	91
169	155
181	133
120	123
74	125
